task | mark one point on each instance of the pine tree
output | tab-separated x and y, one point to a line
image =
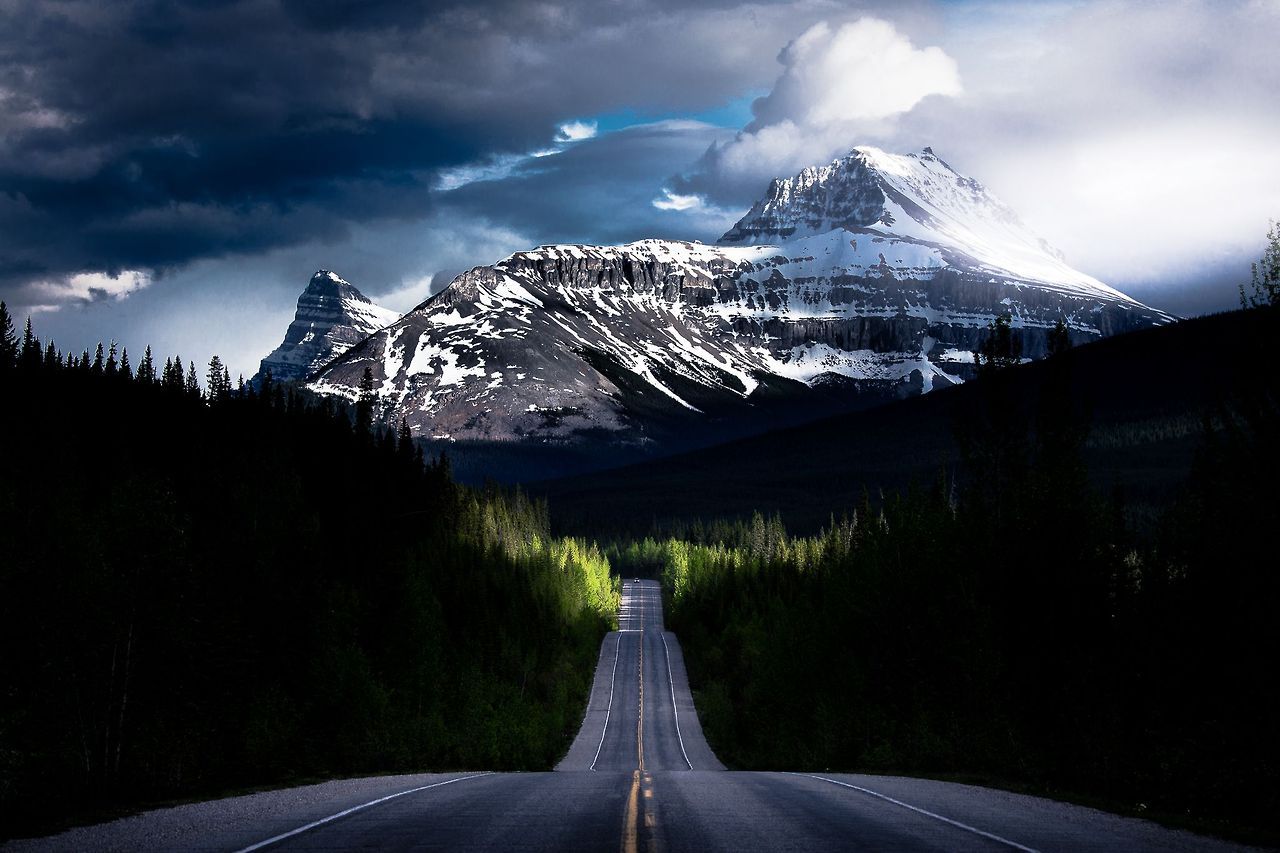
265	385
214	380
113	363
172	379
52	358
1266	275
8	340
404	445
1000	349
147	368
126	371
1059	338
99	360
192	385
30	353
364	406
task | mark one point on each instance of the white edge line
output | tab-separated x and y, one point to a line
675	711
322	821
1015	845
609	710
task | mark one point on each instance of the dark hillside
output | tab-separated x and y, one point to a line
1146	394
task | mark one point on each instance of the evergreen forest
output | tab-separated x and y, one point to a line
206	589
1008	625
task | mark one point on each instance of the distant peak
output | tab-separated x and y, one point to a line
323	276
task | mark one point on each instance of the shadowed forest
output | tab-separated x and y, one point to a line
203	591
1008	625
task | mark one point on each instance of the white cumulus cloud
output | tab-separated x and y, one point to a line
89	287
576	131
674	201
839	84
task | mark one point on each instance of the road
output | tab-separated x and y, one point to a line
638	776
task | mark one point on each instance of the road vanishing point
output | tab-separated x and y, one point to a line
638	777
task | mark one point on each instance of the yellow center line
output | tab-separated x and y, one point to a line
630	828
639	802
640	716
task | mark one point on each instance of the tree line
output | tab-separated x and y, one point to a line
205	589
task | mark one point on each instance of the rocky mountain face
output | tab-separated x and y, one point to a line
870	278
332	315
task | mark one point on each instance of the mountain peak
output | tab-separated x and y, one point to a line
323	276
329	283
332	316
914	201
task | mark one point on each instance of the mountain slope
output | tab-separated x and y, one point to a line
920	201
332	315
869	279
1145	395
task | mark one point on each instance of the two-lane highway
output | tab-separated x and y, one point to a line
641	714
638	776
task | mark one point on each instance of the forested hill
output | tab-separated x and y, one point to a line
1009	624
210	589
1144	397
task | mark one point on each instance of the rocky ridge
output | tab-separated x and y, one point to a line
870	278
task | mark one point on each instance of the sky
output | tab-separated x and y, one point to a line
172	173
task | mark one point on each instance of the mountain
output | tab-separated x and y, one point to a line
869	279
332	315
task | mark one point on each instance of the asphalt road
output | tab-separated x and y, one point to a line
639	776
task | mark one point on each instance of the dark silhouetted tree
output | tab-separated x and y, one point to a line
172	379
8	340
405	444
217	381
192	383
1059	338
364	406
147	368
1000	349
30	353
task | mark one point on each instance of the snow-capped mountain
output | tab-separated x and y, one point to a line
913	200
332	315
872	277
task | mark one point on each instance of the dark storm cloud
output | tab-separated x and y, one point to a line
145	135
600	191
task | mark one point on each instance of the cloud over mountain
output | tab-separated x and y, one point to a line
839	85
